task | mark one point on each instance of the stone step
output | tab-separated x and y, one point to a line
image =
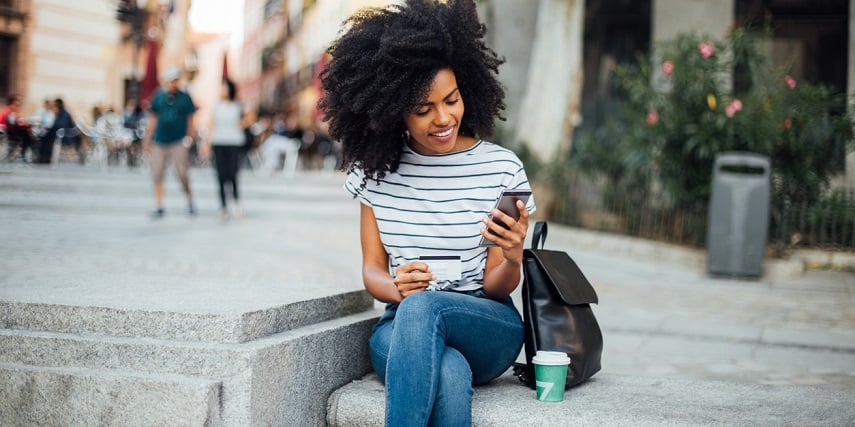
88	260
77	396
271	380
177	325
122	193
623	400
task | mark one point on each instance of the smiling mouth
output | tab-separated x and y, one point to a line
444	133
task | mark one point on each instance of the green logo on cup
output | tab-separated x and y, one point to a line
550	374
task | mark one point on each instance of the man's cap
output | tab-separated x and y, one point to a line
172	73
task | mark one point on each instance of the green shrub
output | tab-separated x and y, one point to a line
682	108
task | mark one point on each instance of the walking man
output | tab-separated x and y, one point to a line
169	137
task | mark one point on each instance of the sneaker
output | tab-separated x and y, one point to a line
224	215
157	213
191	210
238	212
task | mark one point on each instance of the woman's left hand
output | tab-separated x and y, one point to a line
512	238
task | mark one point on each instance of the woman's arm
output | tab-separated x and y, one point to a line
409	278
502	272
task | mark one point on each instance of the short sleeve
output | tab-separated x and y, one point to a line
353	186
156	101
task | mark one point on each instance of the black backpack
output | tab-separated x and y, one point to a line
557	312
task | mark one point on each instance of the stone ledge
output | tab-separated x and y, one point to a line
76	396
268	381
223	328
623	400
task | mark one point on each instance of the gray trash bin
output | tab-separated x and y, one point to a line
738	215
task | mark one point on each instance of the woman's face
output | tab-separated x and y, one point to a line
435	123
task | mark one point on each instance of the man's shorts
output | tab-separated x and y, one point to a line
162	154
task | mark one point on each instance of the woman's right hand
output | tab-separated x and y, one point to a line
412	278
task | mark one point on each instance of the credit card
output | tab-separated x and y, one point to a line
444	267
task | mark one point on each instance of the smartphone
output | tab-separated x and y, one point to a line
507	203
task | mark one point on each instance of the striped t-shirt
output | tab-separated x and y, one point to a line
433	205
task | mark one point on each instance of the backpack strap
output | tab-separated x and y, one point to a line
538	238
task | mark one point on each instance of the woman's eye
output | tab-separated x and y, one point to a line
422	112
453	101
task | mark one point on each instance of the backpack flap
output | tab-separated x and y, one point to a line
571	284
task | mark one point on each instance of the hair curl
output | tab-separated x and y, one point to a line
381	68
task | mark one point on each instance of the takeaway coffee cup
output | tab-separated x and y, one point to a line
550	374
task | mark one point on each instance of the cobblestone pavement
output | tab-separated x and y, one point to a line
81	236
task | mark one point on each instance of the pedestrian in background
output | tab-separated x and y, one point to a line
42	120
287	139
395	91
133	119
17	128
227	139
65	129
169	138
44	116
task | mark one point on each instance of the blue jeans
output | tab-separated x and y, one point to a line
433	346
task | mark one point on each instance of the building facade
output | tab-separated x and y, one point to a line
14	42
284	43
53	48
85	51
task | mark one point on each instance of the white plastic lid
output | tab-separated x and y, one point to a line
550	358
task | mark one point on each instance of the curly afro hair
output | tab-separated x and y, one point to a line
381	68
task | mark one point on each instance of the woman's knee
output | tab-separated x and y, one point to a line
419	305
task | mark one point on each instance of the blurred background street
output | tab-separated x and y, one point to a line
663	139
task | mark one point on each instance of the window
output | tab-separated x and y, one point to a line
615	32
8	50
812	35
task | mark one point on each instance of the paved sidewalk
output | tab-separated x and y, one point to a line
84	237
81	237
673	320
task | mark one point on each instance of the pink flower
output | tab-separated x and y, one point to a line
652	118
787	124
667	68
790	81
733	107
706	49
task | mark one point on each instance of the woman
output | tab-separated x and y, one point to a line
395	91
227	139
